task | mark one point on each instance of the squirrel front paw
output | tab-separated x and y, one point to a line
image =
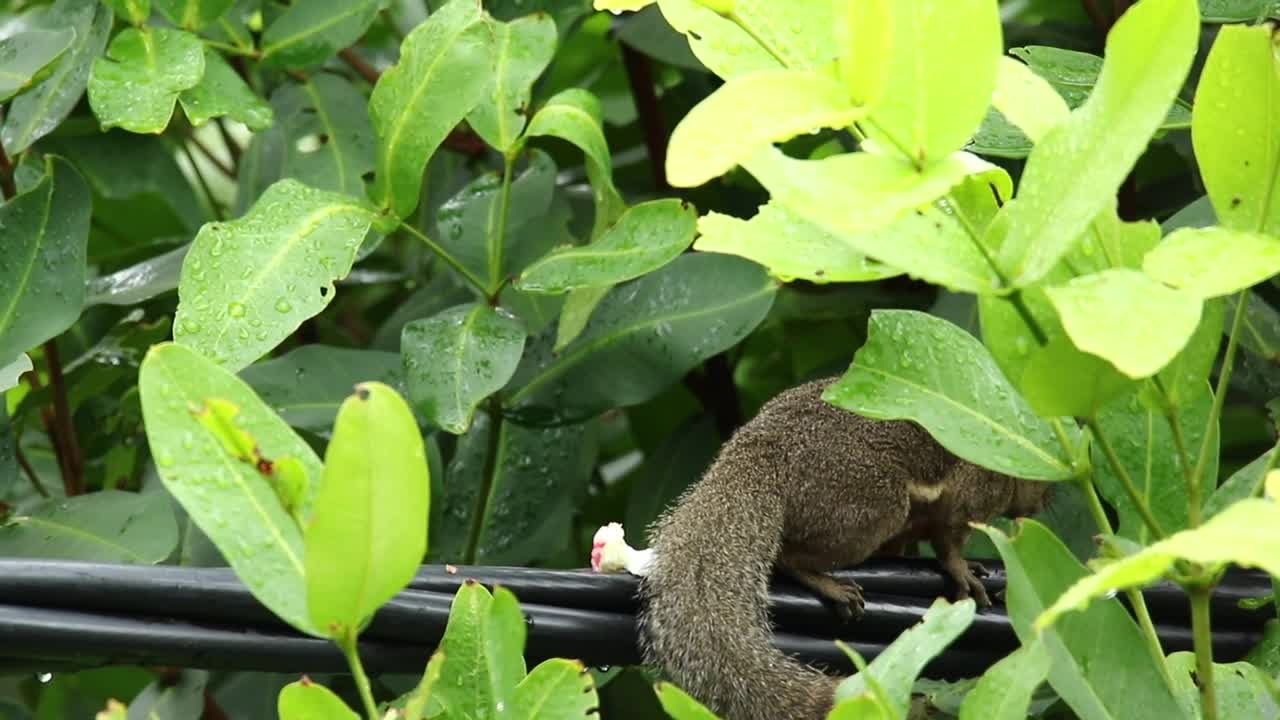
845	599
968	585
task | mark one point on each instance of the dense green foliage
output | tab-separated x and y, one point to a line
322	290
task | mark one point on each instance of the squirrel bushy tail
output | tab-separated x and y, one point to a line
708	626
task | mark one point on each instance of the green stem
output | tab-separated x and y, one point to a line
348	644
1136	599
1132	490
497	239
1204	651
233	49
1219	399
476	282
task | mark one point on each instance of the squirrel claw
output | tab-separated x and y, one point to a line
845	598
971	586
978	569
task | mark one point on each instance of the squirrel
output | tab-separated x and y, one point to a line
804	487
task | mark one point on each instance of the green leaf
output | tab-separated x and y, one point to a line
223	92
535	480
26	58
645	238
573	115
249	283
1242	690
136	84
556	688
173	697
504	636
918	367
1184	377
193	14
941	72
307	700
1214	261
233	502
799	32
308	33
1072	174
680	704
857	192
466	684
1235	129
1243	534
108	526
1100	663
576	312
791	247
368	529
11	374
1145	446
1027	100
895	669
1073	75
35	113
645	335
1246	482
523	48
1127	318
751	112
863	32
135	11
445	65
456	359
416	703
1005	690
1061	381
307	385
1227	11
42	268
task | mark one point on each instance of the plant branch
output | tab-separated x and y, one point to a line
1203	641
350	651
30	471
200	180
360	65
1130	489
486	479
470	277
233	148
640	78
1219	399
216	161
1096	15
64	425
7	186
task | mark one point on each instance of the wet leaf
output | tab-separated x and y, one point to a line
523	47
307	700
42	268
308	33
108	526
307	384
136	84
223	92
645	335
1027	100
233	502
35	113
367	532
790	247
556	688
1214	261
456	359
139	282
26	58
799	31
193	14
1072	174
445	65
134	11
1005	690
645	238
1242	689
249	283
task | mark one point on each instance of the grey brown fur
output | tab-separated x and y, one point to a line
808	488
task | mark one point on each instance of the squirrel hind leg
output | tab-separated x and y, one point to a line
844	598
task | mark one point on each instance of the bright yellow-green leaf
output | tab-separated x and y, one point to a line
797	34
1243	534
1235	128
750	112
939	78
1074	171
368	529
620	6
1004	692
1214	261
680	705
136	84
1028	100
789	246
1127	318
864	33
307	700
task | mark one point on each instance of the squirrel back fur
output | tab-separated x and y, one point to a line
807	488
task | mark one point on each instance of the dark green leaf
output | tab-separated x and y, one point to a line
192	14
308	384
445	65
456	359
646	335
179	697
248	283
136	84
26	58
42	267
223	92
34	114
918	367
139	282
1246	482
523	47
1073	74
312	31
108	526
574	116
1100	663
1005	690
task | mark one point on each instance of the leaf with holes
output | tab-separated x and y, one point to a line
232	502
145	69
108	527
456	359
248	283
